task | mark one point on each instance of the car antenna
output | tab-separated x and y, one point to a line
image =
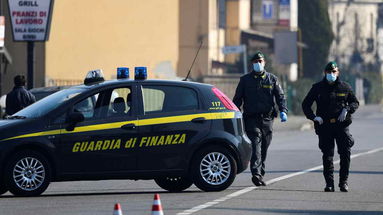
193	62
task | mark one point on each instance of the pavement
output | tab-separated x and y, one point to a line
292	189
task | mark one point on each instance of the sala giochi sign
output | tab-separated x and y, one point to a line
30	19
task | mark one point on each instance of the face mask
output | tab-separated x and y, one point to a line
331	77
258	67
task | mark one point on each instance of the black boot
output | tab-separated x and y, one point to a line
329	188
343	186
257	181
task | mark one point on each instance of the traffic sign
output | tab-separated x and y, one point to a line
267	9
233	49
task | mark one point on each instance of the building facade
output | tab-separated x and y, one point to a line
87	35
355	26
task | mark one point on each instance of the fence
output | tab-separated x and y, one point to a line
226	83
63	82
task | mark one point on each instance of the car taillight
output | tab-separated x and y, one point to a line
224	99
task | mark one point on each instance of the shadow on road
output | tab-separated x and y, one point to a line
96	193
320	171
289	211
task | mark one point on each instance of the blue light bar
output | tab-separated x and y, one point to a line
122	73
140	73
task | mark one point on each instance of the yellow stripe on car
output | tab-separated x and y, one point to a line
142	122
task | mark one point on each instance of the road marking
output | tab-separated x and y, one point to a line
248	189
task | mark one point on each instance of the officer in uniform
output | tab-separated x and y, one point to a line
335	102
258	91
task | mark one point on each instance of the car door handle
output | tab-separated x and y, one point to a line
129	126
199	120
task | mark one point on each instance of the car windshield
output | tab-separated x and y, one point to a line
48	103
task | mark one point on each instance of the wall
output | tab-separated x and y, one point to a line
86	35
193	28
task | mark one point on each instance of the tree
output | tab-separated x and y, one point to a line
315	26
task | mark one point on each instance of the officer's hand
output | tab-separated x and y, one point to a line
283	116
319	120
342	115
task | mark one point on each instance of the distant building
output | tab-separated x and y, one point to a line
356	28
222	23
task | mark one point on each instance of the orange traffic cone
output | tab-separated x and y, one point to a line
157	207
117	209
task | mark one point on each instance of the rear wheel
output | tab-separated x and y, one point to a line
27	174
213	169
173	184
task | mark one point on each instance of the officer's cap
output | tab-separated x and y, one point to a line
258	55
331	66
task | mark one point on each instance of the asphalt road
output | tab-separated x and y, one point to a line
291	189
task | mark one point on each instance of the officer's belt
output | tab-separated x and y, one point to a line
258	115
331	120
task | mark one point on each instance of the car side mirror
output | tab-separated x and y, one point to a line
73	119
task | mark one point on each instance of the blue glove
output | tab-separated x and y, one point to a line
283	116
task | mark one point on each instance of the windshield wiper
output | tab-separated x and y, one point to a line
15	117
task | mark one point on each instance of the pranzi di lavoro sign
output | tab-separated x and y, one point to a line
30	19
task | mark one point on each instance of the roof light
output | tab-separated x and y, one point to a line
94	76
122	73
140	73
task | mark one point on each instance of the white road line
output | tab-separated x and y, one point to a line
248	189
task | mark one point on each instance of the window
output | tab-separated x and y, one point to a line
120	102
49	103
221	8
87	106
160	99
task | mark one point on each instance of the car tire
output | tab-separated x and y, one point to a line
28	173
213	169
174	184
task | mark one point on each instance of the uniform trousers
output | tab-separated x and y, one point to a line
260	131
329	134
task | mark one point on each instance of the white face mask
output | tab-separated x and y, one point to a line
331	77
258	67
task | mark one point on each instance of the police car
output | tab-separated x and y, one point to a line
175	132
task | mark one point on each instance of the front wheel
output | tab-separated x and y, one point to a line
28	173
213	169
174	184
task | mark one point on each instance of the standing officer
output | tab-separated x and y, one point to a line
335	102
19	97
258	91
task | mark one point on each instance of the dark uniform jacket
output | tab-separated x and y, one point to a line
18	99
330	100
258	93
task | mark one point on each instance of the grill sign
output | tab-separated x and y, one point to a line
30	19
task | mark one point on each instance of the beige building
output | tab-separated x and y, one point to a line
162	35
105	34
87	35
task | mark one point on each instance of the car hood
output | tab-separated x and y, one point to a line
14	127
8	122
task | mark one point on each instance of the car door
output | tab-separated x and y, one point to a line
169	121
104	141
